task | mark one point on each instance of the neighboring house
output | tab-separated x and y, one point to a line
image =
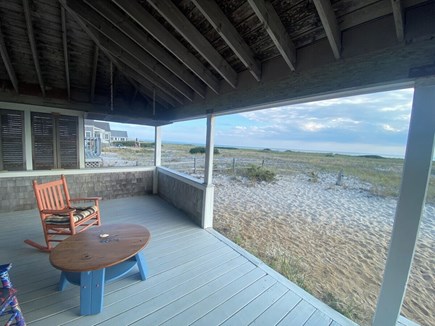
119	135
99	130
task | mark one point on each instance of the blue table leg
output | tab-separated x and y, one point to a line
63	282
91	292
142	264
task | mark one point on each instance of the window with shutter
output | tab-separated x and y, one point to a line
12	140
55	141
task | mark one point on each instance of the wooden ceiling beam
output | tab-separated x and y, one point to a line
65	51
182	25
130	48
165	100
276	30
330	25
94	72
7	62
167	40
398	19
220	22
128	27
32	41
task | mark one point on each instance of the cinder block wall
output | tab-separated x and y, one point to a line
16	193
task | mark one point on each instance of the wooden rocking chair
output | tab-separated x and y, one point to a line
58	215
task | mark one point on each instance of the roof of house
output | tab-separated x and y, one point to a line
174	60
99	124
119	133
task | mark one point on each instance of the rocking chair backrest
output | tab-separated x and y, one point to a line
52	195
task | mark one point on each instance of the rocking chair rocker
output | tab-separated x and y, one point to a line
58	216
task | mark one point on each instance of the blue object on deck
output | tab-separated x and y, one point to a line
92	282
8	299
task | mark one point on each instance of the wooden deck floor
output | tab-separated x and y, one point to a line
197	277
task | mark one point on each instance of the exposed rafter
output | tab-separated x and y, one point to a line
175	17
94	71
161	34
276	30
116	17
31	35
398	19
329	22
7	61
145	86
123	49
65	50
130	47
226	30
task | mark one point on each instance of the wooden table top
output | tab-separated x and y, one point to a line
87	251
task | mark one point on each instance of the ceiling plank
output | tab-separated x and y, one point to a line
145	65
163	99
276	30
94	71
130	47
398	19
183	26
32	41
7	62
227	31
128	27
65	51
330	25
162	35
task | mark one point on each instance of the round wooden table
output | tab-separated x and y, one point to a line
98	255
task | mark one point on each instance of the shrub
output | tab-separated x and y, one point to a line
201	150
259	173
131	143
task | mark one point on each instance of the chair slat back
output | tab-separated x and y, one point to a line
51	195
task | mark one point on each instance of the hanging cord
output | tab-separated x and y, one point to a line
111	86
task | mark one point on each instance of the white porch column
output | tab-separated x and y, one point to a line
157	156
207	206
81	136
28	140
416	173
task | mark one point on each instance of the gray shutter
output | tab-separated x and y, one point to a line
11	140
43	141
68	142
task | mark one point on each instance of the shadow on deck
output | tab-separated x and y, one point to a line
196	276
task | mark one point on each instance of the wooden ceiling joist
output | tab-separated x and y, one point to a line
398	19
227	31
329	22
129	28
65	51
166	39
276	30
31	35
130	47
175	17
166	100
7	61
94	71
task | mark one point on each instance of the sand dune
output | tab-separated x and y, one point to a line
338	234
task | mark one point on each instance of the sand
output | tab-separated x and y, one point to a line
339	235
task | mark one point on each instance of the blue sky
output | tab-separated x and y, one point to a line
374	124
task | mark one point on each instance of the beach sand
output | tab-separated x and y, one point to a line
339	235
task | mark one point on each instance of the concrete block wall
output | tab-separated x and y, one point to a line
16	193
182	195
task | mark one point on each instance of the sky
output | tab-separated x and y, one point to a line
365	124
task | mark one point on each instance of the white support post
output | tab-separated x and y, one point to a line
157	157
207	207
416	173
81	140
28	140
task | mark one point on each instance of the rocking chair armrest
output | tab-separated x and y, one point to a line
86	199
58	211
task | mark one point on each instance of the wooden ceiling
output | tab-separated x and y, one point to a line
158	61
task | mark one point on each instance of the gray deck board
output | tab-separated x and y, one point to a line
195	277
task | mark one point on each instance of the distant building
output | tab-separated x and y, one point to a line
102	130
118	135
